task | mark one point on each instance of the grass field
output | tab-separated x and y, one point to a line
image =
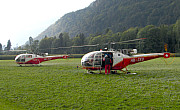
60	85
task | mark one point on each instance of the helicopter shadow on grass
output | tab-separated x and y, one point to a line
112	73
33	65
23	66
38	65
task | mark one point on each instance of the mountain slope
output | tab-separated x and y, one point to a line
117	15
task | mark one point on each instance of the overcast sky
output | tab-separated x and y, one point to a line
20	19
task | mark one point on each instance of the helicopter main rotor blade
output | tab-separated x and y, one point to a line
128	41
95	45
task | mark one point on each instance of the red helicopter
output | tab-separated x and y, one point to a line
120	59
36	59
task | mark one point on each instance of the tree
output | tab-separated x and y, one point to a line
60	41
153	44
30	43
171	39
130	34
8	45
30	40
35	46
97	40
163	35
107	30
60	35
0	47
177	34
45	45
143	34
66	40
57	43
78	41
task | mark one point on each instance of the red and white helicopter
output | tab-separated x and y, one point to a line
120	59
94	60
35	59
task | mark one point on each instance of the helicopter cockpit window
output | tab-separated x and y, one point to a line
28	56
88	59
18	59
23	58
91	56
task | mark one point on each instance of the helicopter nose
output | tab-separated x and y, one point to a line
82	62
17	58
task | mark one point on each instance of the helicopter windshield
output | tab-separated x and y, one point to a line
87	59
18	58
22	58
92	59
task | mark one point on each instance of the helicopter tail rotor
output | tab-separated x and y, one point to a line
168	55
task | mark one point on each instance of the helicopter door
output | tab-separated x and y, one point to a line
98	60
110	55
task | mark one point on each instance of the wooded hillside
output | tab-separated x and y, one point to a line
117	15
156	38
106	21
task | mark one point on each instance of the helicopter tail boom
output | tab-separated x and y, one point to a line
53	58
140	58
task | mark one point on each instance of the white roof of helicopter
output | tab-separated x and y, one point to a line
100	51
26	54
93	52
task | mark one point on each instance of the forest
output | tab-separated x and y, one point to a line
156	38
116	15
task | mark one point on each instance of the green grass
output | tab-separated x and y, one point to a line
59	84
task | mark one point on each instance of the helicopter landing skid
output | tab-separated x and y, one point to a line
131	73
28	65
127	72
114	72
90	72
